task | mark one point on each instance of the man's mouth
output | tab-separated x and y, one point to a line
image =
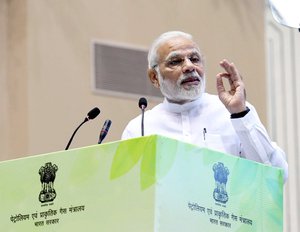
191	80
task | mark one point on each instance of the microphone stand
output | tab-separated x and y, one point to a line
142	123
142	105
91	115
69	143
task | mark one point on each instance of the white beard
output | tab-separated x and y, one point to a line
176	92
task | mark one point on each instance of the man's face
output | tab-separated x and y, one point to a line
180	70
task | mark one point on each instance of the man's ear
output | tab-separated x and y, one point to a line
152	74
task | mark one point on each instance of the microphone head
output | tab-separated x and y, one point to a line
104	130
143	103
93	113
107	124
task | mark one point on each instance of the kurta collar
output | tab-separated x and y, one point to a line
177	108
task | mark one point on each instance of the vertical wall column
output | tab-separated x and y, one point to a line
3	80
13	77
283	81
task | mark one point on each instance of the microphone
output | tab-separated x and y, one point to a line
143	103
104	130
143	106
90	115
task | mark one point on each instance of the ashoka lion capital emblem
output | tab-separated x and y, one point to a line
47	177
220	174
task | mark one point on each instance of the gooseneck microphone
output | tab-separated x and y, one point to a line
90	115
143	106
104	130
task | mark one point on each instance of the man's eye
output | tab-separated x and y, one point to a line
195	59
175	62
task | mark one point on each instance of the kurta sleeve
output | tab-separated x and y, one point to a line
256	143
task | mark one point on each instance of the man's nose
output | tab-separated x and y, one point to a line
188	66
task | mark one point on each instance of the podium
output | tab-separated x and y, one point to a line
146	184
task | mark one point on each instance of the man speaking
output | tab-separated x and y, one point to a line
226	122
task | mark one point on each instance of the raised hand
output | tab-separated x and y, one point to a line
235	98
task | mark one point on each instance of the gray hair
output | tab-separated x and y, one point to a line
152	54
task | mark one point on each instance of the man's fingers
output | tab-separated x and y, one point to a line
227	76
231	70
220	84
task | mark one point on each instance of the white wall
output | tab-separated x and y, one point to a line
283	59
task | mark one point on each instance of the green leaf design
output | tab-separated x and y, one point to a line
128	154
131	151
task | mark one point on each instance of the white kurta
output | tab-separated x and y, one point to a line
206	122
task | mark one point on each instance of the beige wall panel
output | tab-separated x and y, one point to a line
59	63
14	104
4	141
